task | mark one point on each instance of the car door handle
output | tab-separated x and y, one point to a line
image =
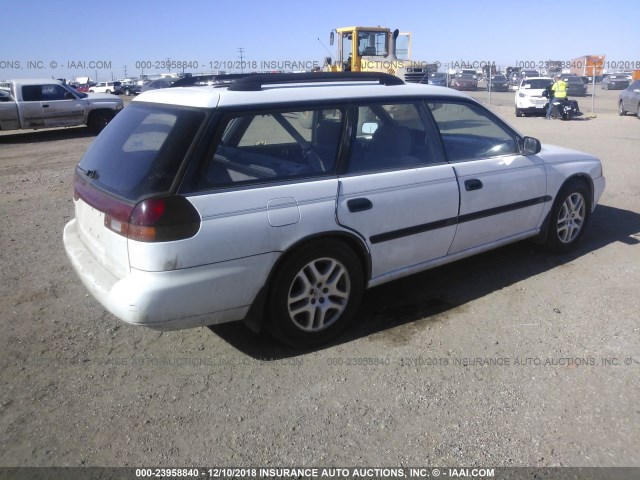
45	106
359	204
473	184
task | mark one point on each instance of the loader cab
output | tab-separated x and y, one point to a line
359	48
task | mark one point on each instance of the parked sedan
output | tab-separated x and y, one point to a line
464	81
575	86
630	99
438	78
131	89
498	83
159	83
615	81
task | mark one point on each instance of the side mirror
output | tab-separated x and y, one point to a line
69	96
530	146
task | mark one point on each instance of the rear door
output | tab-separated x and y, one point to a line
502	193
396	192
267	181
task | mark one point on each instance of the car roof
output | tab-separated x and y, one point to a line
35	81
212	96
536	78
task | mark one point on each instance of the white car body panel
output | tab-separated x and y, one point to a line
399	201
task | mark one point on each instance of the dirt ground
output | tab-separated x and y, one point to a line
511	358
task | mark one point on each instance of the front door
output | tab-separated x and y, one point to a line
502	193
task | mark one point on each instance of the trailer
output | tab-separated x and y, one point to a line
589	66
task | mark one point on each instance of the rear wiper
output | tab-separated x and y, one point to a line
88	173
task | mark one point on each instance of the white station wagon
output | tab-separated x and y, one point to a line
278	198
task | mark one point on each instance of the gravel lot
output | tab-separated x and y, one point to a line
557	338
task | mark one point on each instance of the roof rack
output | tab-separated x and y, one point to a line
223	79
254	82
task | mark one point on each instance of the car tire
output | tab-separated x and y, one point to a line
518	112
569	217
107	91
127	92
638	112
621	110
99	120
315	293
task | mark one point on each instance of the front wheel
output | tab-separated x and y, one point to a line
621	110
315	294
569	217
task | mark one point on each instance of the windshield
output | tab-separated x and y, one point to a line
372	43
539	83
139	153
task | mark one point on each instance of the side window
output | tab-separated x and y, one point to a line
52	92
391	136
469	133
31	93
272	146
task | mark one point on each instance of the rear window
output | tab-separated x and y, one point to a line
141	150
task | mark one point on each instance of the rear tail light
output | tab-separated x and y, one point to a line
160	219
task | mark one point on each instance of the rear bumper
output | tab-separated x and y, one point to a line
176	299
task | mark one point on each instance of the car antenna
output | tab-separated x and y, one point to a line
325	47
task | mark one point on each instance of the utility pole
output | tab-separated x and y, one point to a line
125	72
241	50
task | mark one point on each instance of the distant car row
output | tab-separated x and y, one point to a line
576	85
126	88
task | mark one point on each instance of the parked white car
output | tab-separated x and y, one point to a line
529	98
279	198
106	87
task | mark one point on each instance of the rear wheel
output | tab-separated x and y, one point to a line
569	217
638	112
99	120
315	294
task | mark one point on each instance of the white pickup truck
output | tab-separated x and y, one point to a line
46	103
